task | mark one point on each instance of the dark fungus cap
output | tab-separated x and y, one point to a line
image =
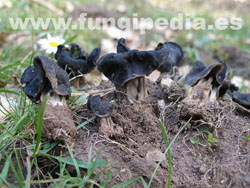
76	59
44	76
224	80
220	73
51	73
200	71
129	64
31	79
175	56
121	46
242	99
98	108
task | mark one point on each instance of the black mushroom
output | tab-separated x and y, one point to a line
127	69
174	59
31	81
76	61
213	80
100	109
242	98
48	79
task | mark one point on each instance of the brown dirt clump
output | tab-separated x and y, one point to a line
58	123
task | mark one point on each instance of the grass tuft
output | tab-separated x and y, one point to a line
165	136
39	126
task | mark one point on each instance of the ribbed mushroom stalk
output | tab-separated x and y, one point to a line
127	70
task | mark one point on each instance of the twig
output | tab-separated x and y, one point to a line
78	76
239	139
26	57
122	147
93	92
205	175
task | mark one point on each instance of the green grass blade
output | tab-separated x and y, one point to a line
9	66
51	146
19	166
92	166
108	177
157	166
74	161
69	161
247	141
89	161
102	172
37	170
8	90
165	136
39	125
19	179
62	168
7	183
126	183
1	27
5	169
70	39
22	121
28	176
144	182
84	123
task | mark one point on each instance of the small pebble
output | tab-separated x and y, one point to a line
202	170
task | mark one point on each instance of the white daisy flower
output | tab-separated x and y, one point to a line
5	4
50	44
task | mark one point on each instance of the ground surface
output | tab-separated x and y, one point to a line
131	138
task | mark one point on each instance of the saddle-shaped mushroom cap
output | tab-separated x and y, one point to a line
218	73
128	64
242	99
29	74
122	67
127	69
200	71
76	59
195	72
52	76
174	58
224	80
44	76
31	79
98	108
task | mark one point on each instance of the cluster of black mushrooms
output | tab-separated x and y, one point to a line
126	69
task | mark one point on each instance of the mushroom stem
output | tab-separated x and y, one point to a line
57	118
134	89
53	99
77	83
